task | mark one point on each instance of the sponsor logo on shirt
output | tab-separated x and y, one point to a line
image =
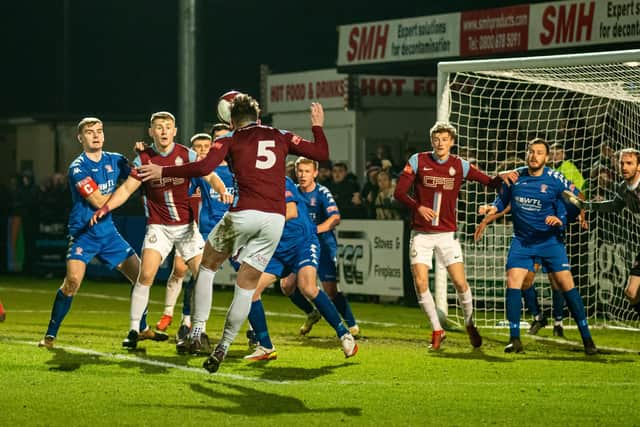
435	181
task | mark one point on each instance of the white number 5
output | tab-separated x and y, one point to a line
269	156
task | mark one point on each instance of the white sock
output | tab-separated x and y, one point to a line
186	320
174	286
466	301
429	307
237	314
202	298
139	301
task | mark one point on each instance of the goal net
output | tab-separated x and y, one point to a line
590	105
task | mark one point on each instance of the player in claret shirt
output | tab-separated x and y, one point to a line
539	220
93	177
170	221
257	156
436	177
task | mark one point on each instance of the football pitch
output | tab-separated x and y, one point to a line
88	379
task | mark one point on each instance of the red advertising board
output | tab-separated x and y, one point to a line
491	31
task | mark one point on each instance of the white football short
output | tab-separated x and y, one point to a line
253	235
446	247
162	238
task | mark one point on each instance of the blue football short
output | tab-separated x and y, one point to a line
110	248
327	269
550	254
292	259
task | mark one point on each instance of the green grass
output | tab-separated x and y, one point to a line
394	380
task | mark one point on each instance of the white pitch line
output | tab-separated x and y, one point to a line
576	344
150	362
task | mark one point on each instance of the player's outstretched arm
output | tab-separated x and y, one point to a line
117	199
218	186
477	235
318	149
328	224
292	211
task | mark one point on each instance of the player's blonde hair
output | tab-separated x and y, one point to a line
87	121
306	161
162	115
440	127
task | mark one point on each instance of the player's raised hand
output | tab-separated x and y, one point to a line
477	235
149	171
317	114
487	210
553	221
99	214
139	147
509	177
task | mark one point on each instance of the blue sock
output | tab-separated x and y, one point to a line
300	301
530	297
330	313
576	307
344	309
61	306
259	324
143	319
514	307
187	291
558	305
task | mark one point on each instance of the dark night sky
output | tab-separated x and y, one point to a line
123	53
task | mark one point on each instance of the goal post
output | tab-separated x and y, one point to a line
589	104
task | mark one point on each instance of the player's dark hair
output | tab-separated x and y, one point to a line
539	141
630	151
244	109
218	127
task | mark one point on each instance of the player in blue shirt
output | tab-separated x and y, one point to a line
323	212
297	252
539	219
93	176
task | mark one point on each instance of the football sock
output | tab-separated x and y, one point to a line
61	306
174	286
514	307
202	299
300	301
237	314
530	297
187	296
425	300
576	307
558	305
139	302
258	322
344	308
143	319
466	301
329	312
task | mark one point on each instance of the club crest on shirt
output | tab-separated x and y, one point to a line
178	161
312	201
452	171
153	238
108	168
543	188
78	250
296	139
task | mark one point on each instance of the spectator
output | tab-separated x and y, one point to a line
370	191
291	170
346	192
386	205
324	173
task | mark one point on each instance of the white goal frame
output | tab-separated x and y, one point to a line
449	68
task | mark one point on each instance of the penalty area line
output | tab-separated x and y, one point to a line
151	362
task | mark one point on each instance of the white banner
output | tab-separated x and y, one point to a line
296	91
425	37
370	258
579	23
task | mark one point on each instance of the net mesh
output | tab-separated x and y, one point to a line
592	111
